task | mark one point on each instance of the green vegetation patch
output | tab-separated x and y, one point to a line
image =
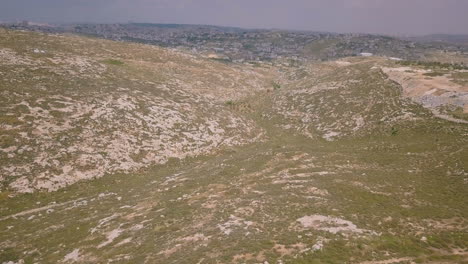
318	47
434	64
113	62
276	86
222	60
460	78
455	111
434	74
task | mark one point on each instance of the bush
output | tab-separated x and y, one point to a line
276	86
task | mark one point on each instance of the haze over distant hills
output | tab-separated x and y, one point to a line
257	44
416	17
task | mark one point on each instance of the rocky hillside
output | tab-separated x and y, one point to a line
339	99
76	108
115	152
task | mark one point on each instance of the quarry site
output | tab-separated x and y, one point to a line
125	152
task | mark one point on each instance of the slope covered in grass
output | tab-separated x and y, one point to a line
331	164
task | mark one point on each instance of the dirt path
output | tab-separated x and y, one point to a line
40	209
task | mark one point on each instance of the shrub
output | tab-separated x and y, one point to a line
276	86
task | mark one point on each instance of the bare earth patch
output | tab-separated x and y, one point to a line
332	225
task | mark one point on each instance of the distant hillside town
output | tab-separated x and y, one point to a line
239	45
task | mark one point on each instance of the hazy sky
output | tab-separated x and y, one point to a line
374	16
